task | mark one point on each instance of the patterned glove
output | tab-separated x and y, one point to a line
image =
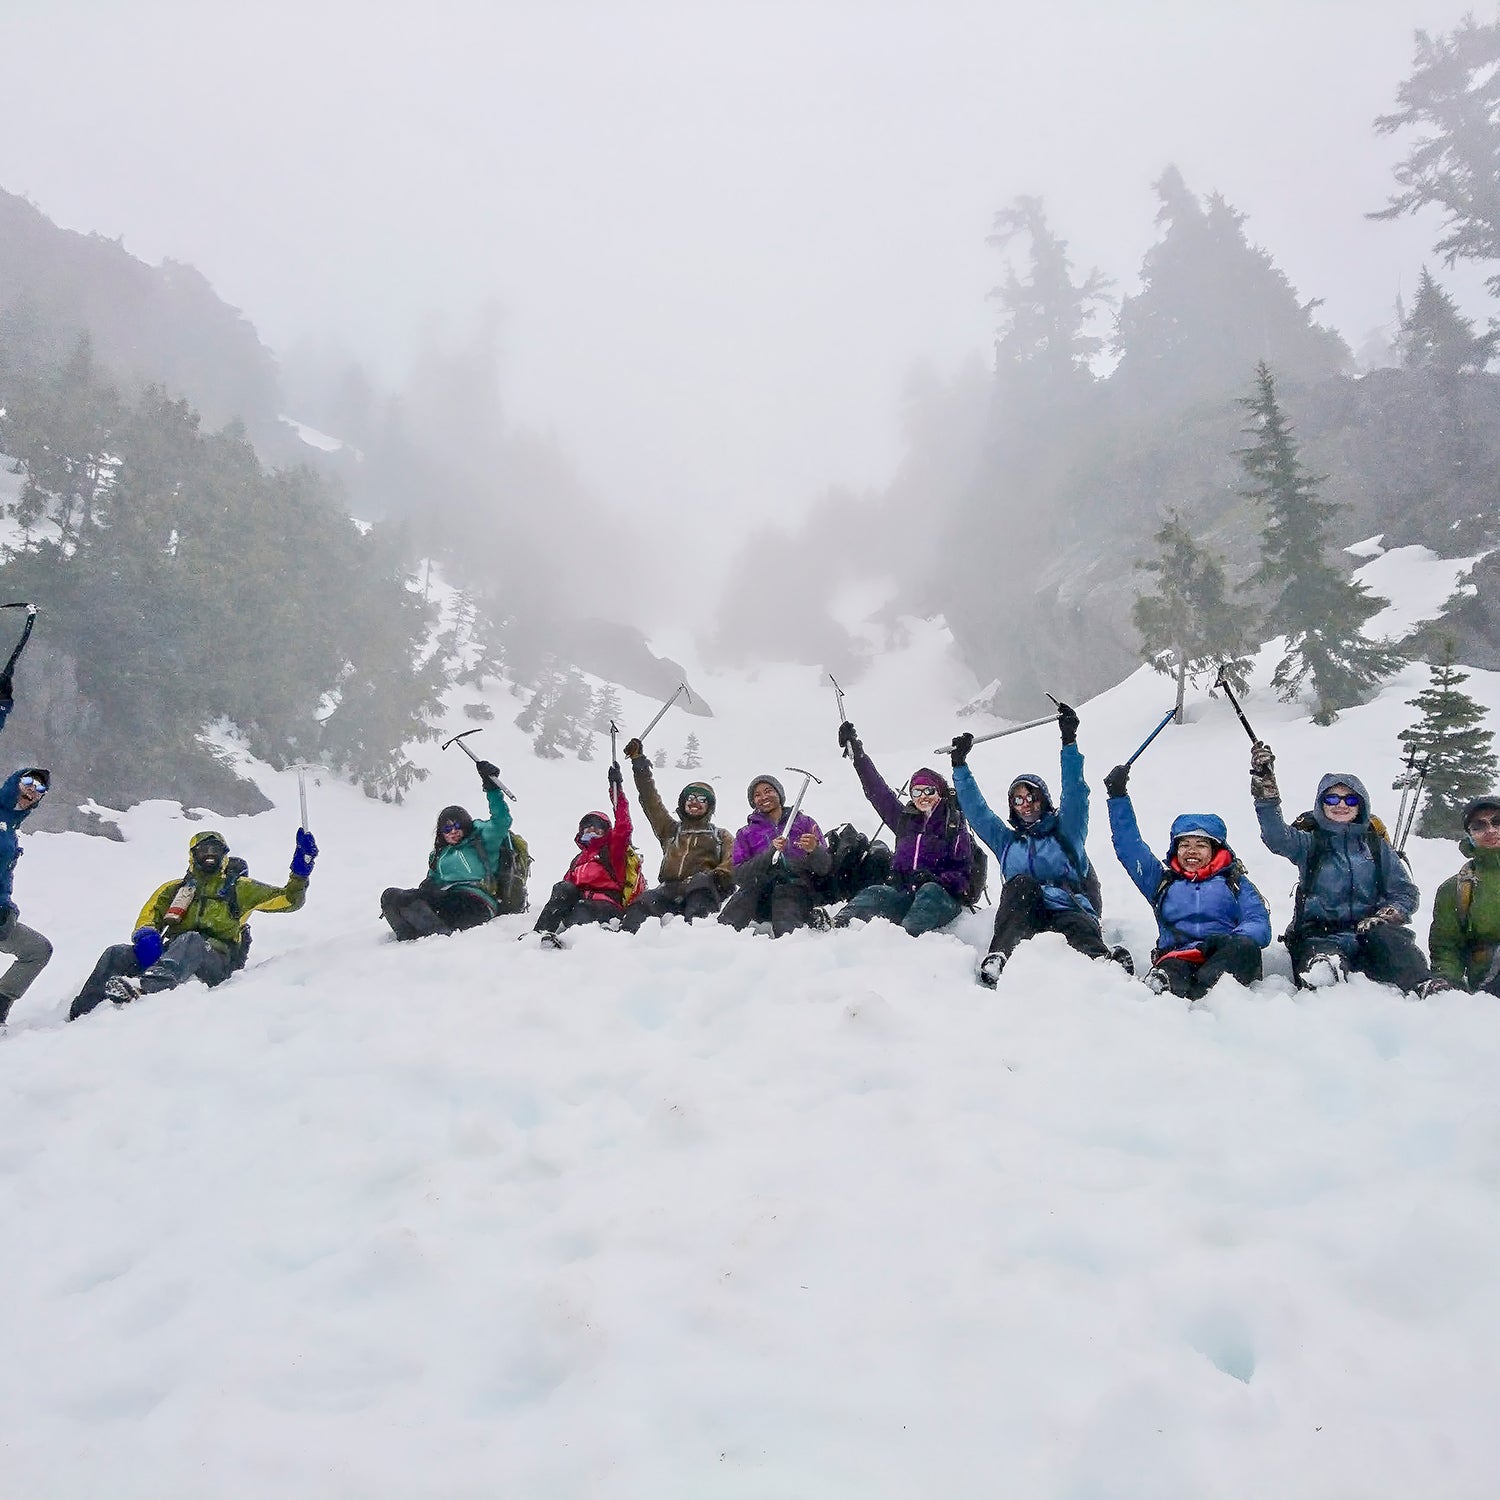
634	749
962	744
1384	916
307	852
1263	786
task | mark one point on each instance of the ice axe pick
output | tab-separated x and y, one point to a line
1234	703
458	739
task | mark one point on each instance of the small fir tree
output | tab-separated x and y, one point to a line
1450	738
1321	613
1435	336
660	760
1189	628
690	759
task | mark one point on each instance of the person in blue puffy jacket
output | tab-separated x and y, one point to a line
1355	899
1210	920
1040	852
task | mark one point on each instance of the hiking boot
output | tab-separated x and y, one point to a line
1157	982
1120	954
1437	985
819	920
989	970
121	990
1324	970
549	940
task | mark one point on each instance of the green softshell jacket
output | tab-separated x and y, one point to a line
209	912
689	846
471	863
1461	954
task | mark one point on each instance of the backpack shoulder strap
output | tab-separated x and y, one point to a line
1468	879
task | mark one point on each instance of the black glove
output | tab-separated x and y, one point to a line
7	688
616	780
848	737
489	772
959	750
634	749
1114	783
1209	945
1067	722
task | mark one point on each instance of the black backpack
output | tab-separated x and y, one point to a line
857	862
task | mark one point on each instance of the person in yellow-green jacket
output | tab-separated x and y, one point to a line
194	926
1465	937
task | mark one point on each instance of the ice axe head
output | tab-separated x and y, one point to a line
458	739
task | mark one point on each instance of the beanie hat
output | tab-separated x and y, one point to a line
771	782
1490	801
707	793
928	777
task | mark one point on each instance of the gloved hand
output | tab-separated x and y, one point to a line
616	779
7	687
1114	783
1263	773
146	941
848	737
634	749
489	772
959	750
1067	722
307	852
1382	916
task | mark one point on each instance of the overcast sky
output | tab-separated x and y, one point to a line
720	234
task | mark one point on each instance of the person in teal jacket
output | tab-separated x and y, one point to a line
462	885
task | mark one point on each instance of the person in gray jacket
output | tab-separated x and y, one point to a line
1355	899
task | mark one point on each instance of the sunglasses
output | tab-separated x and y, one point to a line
1476	825
31	784
695	797
1024	794
450	827
923	790
1348	799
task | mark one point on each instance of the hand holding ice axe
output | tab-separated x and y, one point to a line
637	746
487	771
782	840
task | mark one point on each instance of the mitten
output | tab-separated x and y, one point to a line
146	941
848	737
616	778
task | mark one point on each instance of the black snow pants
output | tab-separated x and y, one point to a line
1022	912
189	955
430	909
1230	953
1387	953
568	906
784	900
698	896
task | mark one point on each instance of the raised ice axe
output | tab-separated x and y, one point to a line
681	688
458	739
1000	734
807	779
1221	682
838	697
15	656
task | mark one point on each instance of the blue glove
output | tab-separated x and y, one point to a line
147	944
307	852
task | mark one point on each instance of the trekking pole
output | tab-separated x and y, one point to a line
1167	719
458	739
838	697
1000	734
681	687
1411	783
807	779
1234	703
15	656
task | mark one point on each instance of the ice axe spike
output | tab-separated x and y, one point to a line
807	779
681	687
1234	703
458	739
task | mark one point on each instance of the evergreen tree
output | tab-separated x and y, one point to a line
1453	98
659	760
606	707
690	759
1449	737
1435	336
1319	611
1189	627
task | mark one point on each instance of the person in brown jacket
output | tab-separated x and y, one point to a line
697	869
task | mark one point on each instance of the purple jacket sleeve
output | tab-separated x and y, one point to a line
877	793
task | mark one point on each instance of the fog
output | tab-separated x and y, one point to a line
719	237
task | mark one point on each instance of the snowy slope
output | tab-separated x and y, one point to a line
696	1214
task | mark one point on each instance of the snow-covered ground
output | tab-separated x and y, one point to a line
697	1214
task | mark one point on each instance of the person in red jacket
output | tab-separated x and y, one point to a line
605	878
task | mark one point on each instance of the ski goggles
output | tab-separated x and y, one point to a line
31	784
1344	799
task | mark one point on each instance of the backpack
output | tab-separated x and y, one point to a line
633	881
508	883
235	870
855	864
1375	836
977	884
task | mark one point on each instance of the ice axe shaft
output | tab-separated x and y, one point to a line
614	736
1234	703
681	687
302	800
1167	718
807	779
458	739
838	698
1000	734
15	655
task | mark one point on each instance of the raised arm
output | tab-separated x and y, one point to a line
1143	867
982	820
877	793
492	830
1073	809
663	824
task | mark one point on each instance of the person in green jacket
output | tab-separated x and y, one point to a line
463	884
1464	939
194	926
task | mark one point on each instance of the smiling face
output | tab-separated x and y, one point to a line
1194	851
1337	807
925	796
452	832
1484	828
28	794
766	801
1026	802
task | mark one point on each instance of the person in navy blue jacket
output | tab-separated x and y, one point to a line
1210	920
20	796
1041	856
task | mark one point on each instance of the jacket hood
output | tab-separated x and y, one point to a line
770	781
708	793
1029	778
1206	825
592	817
204	835
1334	778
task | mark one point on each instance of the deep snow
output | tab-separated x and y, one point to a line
700	1214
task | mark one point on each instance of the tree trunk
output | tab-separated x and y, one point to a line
1181	686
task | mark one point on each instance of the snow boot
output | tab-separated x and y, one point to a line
1325	970
989	970
121	990
1120	954
1157	982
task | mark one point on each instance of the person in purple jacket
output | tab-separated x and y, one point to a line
775	866
929	879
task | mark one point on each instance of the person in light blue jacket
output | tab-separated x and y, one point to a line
1040	852
1210	920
